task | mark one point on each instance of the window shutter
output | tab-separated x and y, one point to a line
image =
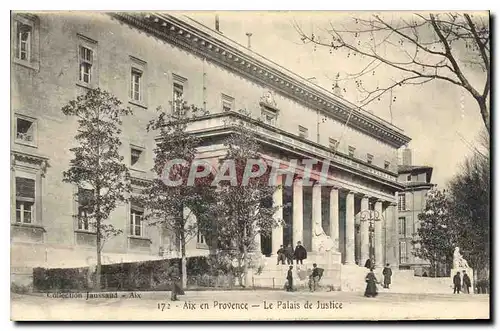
84	197
25	187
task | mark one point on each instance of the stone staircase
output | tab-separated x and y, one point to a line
402	281
347	278
272	275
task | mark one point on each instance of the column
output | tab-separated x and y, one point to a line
334	218
277	232
379	245
349	229
317	220
297	211
364	225
257	240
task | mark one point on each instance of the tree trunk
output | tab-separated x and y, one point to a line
485	114
245	256
183	261
98	266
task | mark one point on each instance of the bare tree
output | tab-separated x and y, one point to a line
421	48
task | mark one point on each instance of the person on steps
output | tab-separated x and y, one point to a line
300	253
371	285
387	272
289	279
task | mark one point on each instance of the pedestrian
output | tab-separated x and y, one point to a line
300	253
466	282
457	282
368	264
289	254
315	276
289	278
175	278
387	272
371	284
281	255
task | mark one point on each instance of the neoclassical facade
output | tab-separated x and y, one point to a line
149	59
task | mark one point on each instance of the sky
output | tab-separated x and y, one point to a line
438	116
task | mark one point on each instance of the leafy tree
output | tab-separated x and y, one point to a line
174	205
435	239
418	48
244	207
470	194
97	168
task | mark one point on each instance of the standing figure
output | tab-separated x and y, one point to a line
457	282
387	272
315	276
289	254
289	278
300	253
175	278
368	264
466	282
371	284
281	255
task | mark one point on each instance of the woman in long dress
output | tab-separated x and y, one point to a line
371	284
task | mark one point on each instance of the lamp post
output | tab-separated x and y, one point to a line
371	216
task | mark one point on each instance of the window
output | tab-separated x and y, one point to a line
268	116
24	35
136	220
402	226
86	61
387	164
135	85
408	178
135	156
352	149
85	197
227	103
179	89
25	200
333	144
402	202
303	132
200	239
369	158
25	129
403	254
178	96
138	79
25	40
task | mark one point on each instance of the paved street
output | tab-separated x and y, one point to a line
256	305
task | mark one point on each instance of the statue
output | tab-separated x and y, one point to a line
268	99
458	261
321	240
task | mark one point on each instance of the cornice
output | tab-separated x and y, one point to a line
37	161
193	39
228	128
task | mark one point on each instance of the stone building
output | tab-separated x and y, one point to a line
147	60
411	202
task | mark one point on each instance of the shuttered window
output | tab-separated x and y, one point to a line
85	197
25	200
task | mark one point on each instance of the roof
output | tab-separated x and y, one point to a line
405	169
198	39
410	168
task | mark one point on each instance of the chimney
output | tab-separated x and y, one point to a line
217	23
407	156
336	90
249	35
